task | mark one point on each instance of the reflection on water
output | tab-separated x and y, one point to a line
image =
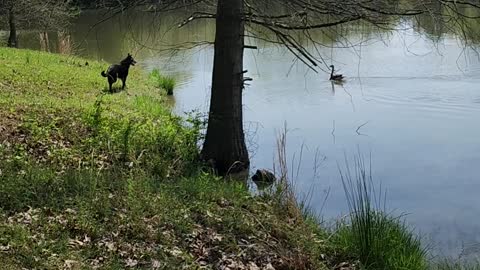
411	103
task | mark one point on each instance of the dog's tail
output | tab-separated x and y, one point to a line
104	74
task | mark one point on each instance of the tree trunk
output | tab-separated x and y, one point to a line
224	144
12	39
44	41
64	42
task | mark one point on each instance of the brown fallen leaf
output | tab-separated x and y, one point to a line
131	262
252	266
4	248
156	264
110	246
75	243
269	266
69	264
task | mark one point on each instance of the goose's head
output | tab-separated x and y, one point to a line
332	67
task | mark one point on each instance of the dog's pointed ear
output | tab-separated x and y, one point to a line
129	54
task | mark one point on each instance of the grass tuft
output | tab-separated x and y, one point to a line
378	239
167	83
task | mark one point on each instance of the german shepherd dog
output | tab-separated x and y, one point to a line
119	71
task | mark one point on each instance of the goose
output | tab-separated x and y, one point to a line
335	77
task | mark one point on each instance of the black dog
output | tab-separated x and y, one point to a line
119	71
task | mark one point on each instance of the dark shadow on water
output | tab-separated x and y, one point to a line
333	88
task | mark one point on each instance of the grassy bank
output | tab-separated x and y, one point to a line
93	180
109	181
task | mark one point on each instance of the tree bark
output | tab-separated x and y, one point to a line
64	42
12	39
44	41
224	144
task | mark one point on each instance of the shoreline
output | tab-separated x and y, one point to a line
91	179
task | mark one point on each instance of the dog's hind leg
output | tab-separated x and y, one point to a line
124	82
111	81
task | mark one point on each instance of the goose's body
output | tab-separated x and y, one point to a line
335	77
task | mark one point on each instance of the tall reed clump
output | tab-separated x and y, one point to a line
283	192
167	83
378	239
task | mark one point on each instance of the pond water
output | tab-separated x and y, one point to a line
409	103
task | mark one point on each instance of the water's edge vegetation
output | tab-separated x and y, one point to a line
93	180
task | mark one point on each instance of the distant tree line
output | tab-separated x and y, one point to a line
41	15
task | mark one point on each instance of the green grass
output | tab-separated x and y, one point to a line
161	81
93	180
378	239
56	111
